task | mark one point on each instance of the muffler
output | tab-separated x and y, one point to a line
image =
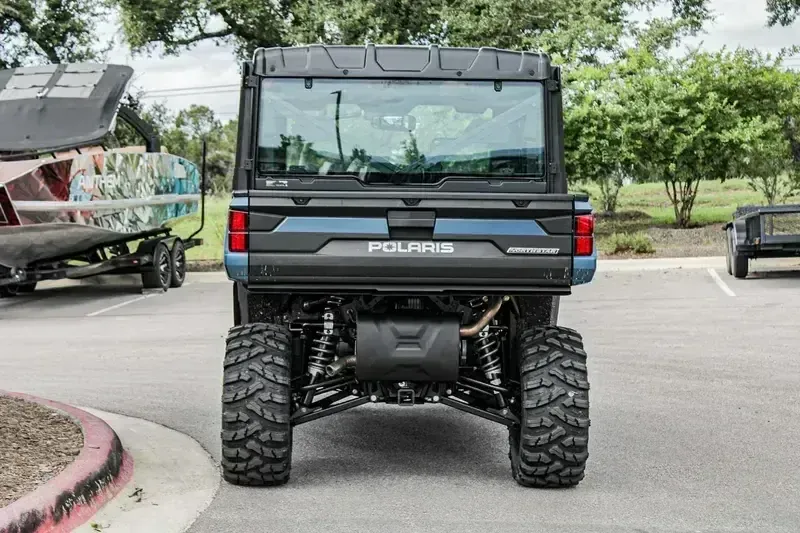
402	348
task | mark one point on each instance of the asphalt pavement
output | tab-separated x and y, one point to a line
695	411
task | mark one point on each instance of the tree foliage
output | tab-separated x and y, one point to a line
597	131
48	31
782	12
183	133
571	31
709	116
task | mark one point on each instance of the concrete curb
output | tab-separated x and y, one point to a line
99	472
175	480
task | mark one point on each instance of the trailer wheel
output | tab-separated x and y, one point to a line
728	246
739	264
178	259
160	275
549	448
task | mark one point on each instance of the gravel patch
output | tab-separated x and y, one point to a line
36	444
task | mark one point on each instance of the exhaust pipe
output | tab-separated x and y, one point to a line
340	364
474	329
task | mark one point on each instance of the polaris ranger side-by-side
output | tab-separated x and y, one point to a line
401	232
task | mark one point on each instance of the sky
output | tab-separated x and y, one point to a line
738	23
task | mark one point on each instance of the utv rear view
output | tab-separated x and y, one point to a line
401	233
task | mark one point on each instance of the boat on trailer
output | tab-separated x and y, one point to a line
72	200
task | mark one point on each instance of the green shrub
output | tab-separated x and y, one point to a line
620	243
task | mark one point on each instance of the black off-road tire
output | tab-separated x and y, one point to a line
256	406
550	447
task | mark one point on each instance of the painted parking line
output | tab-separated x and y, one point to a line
117	306
721	284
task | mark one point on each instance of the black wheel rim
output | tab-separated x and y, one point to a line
180	262
163	269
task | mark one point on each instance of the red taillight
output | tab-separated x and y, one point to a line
237	231
584	225
584	245
237	242
584	234
237	221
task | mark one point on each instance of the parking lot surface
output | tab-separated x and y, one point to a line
695	411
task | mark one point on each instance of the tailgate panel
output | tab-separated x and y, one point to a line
443	244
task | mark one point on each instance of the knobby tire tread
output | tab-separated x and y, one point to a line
550	448
256	406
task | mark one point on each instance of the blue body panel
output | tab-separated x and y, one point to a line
583	268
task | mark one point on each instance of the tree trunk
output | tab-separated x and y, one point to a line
682	194
609	192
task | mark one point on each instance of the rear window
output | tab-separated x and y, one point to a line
401	131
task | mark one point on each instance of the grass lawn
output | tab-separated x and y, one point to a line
213	232
715	201
644	211
644	215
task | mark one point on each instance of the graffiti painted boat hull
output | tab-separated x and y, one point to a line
54	208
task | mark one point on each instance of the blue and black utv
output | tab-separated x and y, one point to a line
401	232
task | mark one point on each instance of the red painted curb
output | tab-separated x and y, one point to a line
100	471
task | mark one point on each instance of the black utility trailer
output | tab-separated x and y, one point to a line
160	259
758	232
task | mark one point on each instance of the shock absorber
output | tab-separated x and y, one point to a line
323	348
487	348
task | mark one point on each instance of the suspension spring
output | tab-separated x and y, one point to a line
487	347
323	348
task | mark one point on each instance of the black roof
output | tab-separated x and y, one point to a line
400	61
59	106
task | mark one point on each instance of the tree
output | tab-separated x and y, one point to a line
783	12
710	116
597	132
182	134
573	31
769	96
687	130
185	138
48	31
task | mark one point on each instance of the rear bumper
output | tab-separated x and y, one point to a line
314	273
